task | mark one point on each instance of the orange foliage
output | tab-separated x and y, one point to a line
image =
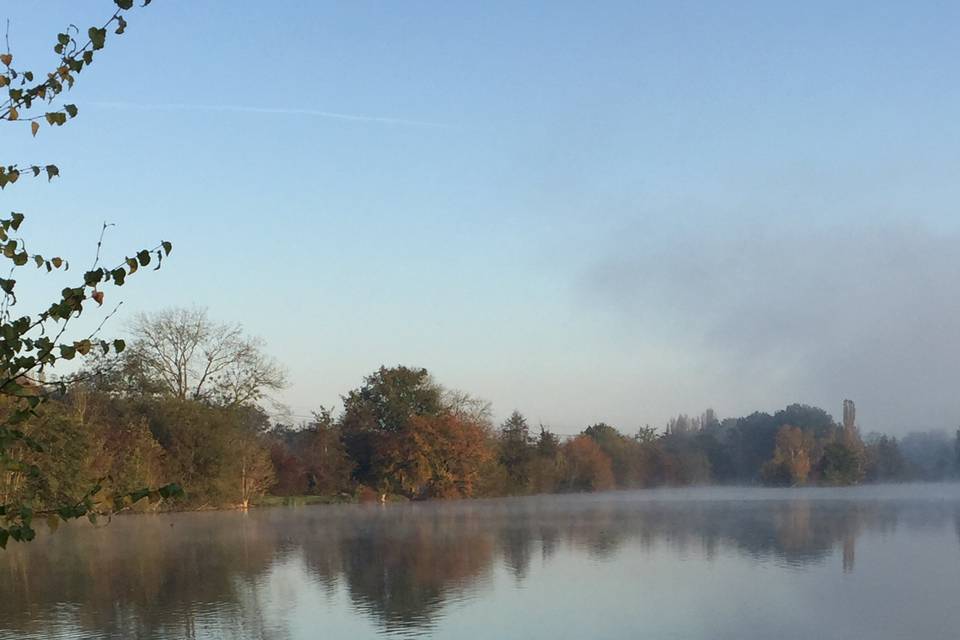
438	456
791	461
588	467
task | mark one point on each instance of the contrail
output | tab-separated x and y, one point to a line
271	110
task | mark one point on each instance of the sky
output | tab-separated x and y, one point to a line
612	211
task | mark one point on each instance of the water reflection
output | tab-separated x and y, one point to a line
234	575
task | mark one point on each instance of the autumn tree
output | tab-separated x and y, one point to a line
629	459
254	471
587	467
791	462
385	404
433	456
311	459
32	344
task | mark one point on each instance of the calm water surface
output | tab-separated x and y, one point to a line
871	562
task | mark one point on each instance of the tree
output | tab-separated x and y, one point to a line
625	454
587	466
465	406
254	468
385	404
884	462
312	460
791	462
433	456
516	452
840	465
547	465
929	455
188	356
33	344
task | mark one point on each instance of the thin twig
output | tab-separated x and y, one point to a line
103	231
104	321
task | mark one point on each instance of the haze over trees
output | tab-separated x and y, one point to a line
134	421
186	399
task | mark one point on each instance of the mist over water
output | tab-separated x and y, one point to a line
876	562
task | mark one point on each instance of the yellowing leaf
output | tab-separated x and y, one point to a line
6	58
34	127
13	114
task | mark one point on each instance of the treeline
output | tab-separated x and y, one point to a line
184	403
402	434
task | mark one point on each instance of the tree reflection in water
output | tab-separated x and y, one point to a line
203	575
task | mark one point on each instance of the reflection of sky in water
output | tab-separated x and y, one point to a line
878	562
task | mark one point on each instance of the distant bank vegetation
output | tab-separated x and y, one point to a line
185	403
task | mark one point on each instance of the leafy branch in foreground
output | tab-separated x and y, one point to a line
32	344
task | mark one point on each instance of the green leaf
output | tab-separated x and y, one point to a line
172	490
90	278
119	345
97	37
118	275
124	4
67	352
71	109
139	494
15	220
52	171
167	247
143	257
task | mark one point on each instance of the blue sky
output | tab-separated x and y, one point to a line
586	211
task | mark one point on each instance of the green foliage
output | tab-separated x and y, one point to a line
386	403
516	453
884	461
36	481
840	465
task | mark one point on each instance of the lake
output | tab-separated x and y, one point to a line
868	562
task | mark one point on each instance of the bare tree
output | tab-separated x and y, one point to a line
189	356
467	407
